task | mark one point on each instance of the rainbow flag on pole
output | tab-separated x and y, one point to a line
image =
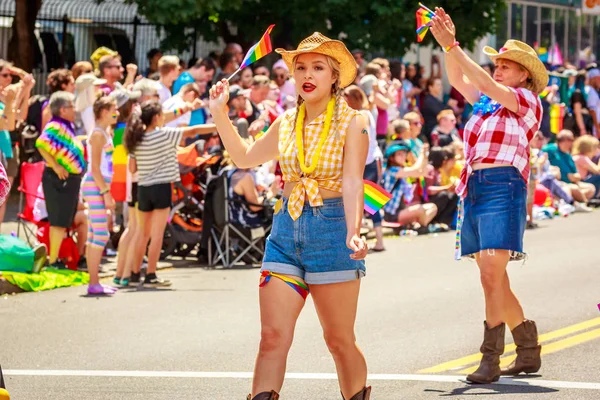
424	16
375	197
259	50
118	187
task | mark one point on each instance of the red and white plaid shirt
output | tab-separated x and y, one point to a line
502	137
4	185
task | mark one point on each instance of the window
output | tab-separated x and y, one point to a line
516	31
571	53
546	31
502	27
586	38
531	26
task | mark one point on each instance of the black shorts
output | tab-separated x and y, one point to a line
62	197
134	195
154	197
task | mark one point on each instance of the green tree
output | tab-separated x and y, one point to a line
386	26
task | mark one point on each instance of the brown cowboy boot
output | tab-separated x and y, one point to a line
364	394
528	350
272	395
491	348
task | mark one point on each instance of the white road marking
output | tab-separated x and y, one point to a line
296	375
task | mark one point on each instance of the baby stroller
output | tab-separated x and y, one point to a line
184	227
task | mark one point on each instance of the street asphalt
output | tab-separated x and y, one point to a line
418	309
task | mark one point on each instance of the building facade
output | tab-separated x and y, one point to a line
567	29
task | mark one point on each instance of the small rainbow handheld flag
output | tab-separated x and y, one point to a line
424	16
375	197
259	50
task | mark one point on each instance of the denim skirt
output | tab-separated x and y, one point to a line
495	212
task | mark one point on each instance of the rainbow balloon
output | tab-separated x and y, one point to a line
118	187
424	16
375	197
259	50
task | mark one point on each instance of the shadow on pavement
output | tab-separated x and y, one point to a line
495	389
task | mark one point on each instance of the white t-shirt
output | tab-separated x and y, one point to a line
173	103
374	150
593	103
164	93
89	122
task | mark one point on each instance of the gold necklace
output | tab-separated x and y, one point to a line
300	143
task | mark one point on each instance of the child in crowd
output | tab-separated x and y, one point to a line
586	148
126	241
96	189
398	210
450	170
443	196
155	150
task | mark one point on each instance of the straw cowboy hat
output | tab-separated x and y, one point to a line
524	55
318	43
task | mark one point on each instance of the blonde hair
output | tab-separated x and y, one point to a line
167	64
585	144
400	126
412	116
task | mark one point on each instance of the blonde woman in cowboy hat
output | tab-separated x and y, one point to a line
493	184
315	244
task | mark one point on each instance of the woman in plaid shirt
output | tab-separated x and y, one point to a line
507	113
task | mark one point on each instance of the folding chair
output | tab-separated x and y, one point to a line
31	178
230	243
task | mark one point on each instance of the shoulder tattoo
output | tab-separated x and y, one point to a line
364	132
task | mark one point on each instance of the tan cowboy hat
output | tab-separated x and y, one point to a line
318	43
524	55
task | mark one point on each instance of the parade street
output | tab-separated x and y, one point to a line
419	323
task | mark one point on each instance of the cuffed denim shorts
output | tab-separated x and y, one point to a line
495	212
314	246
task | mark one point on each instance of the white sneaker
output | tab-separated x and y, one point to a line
580	207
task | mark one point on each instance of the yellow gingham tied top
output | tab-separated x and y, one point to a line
328	173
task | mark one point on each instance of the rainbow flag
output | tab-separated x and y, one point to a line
375	197
118	187
259	50
557	116
424	17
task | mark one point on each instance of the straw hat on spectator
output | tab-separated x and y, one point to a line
321	44
524	55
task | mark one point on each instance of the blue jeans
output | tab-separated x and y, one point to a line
314	246
594	180
371	174
495	212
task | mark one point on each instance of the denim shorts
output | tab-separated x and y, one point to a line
314	246
495	212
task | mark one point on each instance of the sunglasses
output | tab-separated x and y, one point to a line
280	76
